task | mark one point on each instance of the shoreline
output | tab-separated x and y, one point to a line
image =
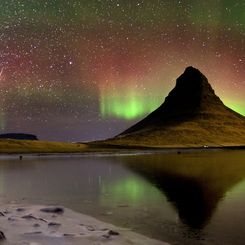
48	225
121	149
8	147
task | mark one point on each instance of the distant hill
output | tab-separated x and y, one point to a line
192	115
18	136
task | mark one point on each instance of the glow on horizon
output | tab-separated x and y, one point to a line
130	106
237	107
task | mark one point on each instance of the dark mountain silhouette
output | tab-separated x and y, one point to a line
18	136
191	115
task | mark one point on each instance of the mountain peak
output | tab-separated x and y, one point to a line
191	69
191	77
191	94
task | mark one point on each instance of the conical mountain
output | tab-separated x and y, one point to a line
192	115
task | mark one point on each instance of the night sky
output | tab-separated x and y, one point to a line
77	70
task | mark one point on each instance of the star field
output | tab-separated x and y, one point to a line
87	69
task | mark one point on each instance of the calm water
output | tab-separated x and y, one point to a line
191	198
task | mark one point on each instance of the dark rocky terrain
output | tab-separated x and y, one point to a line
18	136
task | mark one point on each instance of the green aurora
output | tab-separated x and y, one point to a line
127	107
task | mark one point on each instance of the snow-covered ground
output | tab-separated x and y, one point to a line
36	225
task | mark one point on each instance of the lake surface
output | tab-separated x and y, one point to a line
189	198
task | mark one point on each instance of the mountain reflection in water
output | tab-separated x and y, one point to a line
192	185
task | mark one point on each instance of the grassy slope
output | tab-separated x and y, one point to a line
29	146
195	133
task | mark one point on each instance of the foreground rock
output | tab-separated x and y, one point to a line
38	225
2	236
